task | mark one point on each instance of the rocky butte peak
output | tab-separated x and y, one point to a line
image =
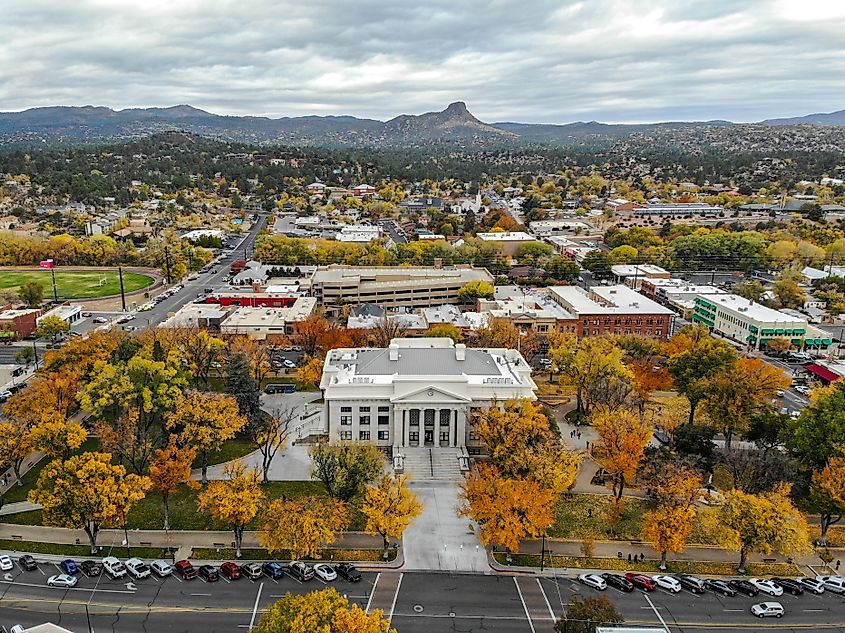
458	108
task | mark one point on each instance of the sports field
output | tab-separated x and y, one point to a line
76	285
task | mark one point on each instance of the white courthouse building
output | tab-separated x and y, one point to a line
418	392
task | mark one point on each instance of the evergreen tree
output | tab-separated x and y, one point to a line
241	384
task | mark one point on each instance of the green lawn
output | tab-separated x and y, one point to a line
18	493
572	519
76	285
328	554
148	514
233	449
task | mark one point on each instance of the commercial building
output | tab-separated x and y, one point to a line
754	325
359	233
68	313
677	294
268	323
507	241
672	209
632	275
17	323
391	286
612	310
198	315
418	392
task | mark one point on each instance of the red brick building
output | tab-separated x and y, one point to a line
21	322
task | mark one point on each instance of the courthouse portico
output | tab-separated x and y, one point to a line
418	392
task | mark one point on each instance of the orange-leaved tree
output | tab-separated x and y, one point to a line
302	526
620	447
170	467
234	500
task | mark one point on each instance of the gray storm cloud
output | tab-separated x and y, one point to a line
532	60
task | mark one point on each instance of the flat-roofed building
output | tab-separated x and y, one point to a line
268	323
208	316
755	325
391	286
507	241
18	323
633	274
418	392
613	310
67	312
677	294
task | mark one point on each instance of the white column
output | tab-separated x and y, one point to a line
460	440
453	428
397	432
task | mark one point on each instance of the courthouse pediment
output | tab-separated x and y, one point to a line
430	393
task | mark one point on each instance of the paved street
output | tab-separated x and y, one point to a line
417	602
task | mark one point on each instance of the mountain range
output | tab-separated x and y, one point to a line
455	124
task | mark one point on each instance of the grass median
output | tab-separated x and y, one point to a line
78	551
327	555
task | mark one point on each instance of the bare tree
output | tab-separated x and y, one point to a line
271	433
386	331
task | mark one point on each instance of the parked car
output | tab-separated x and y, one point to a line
185	569
803	390
690	583
6	563
667	582
789	585
618	581
766	586
289	363
743	586
325	572
768	610
273	570
100	320
301	571
62	580
161	568
348	572
230	571
251	570
114	567
813	585
209	573
641	581
69	567
27	562
719	586
91	568
138	568
592	580
5	395
836	584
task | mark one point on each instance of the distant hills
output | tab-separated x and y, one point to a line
454	125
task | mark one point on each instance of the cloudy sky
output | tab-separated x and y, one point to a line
528	60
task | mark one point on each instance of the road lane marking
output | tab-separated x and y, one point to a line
255	606
656	612
524	606
395	596
546	598
201	594
733	610
29	584
375	584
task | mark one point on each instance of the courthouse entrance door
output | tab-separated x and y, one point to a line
429	438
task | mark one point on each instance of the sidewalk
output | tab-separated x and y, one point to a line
160	538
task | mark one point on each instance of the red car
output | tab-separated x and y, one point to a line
641	581
186	570
230	570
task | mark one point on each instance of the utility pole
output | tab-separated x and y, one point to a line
55	293
167	264
122	291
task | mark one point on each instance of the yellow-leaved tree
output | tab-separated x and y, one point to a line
324	611
762	523
15	445
674	486
622	439
311	372
521	444
827	495
87	491
234	500
170	467
390	507
205	420
302	526
58	438
506	509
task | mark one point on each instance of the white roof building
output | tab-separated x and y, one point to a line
361	233
261	322
417	392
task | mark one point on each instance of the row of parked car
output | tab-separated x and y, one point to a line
137	569
749	587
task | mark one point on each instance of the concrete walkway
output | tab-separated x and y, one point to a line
439	539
